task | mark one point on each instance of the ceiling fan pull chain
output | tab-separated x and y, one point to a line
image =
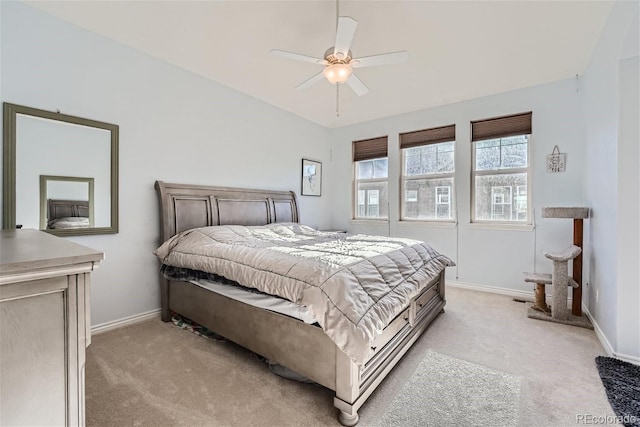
337	100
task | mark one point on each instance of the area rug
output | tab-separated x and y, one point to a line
446	391
621	381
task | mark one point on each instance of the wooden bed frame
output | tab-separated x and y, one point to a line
57	209
301	347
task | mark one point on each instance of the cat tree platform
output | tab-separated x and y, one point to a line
542	279
575	213
580	321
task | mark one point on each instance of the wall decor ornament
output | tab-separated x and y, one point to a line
311	178
556	161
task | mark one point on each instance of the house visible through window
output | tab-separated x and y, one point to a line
443	202
371	183
501	203
501	168
428	166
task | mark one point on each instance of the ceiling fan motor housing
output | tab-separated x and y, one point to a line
335	58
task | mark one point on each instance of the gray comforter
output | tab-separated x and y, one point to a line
354	285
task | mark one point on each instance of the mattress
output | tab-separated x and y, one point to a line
261	300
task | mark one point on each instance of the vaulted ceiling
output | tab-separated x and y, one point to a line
458	49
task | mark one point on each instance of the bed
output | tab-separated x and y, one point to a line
67	214
299	346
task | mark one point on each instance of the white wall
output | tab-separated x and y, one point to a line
68	190
629	295
47	147
628	321
628	215
486	257
174	126
610	187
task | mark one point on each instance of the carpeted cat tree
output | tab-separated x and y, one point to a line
559	278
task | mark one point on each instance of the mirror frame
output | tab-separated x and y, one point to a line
44	205
9	166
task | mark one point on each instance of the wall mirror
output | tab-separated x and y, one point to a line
60	172
66	202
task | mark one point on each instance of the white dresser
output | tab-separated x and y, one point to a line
44	327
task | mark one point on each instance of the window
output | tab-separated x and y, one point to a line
501	203
520	200
428	166
371	183
443	202
501	169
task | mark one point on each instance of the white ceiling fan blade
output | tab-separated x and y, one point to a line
358	87
310	81
382	59
296	56
344	35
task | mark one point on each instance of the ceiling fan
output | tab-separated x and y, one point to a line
338	60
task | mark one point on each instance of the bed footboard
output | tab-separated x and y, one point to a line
354	384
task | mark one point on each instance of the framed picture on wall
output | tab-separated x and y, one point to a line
311	178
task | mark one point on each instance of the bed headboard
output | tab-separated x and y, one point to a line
184	206
65	208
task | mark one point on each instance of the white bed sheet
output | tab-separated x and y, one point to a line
268	302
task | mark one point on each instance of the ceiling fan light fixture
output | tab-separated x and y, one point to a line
337	73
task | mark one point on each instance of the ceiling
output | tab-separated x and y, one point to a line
458	50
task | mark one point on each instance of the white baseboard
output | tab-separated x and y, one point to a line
119	323
627	358
599	334
530	295
605	342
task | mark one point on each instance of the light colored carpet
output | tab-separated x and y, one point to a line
446	391
154	374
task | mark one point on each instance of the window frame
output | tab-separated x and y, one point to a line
355	198
441	203
404	178
368	150
502	171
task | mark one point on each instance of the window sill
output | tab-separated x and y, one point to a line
363	221
501	226
427	223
